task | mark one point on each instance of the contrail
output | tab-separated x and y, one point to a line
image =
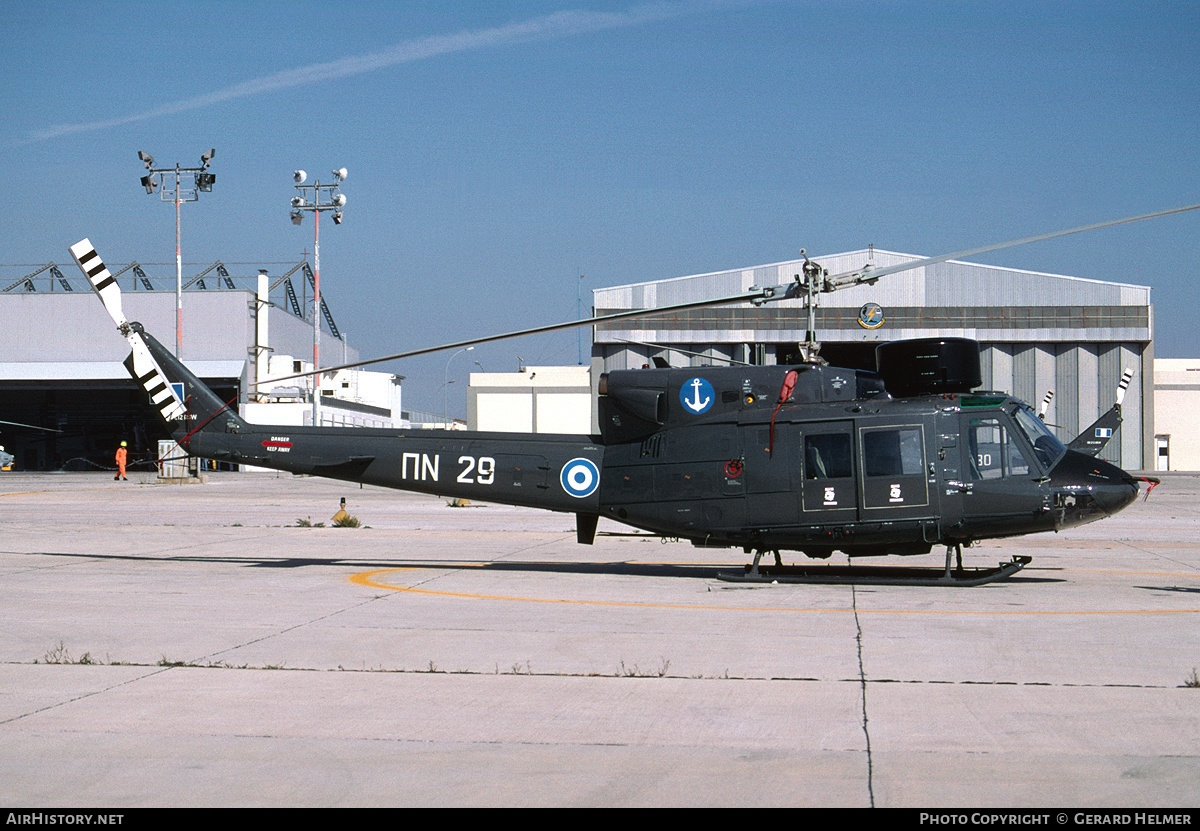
548	27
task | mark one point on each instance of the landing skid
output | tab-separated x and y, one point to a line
877	575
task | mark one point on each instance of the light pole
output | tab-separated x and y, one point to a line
445	407
446	398
334	201
203	182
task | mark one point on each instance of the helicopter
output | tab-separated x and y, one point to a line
809	458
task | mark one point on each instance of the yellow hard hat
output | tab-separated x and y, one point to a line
124	444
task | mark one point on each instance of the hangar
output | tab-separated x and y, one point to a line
61	363
1038	332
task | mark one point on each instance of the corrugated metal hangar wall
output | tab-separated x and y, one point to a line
1038	332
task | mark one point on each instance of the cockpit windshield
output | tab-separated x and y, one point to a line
1045	444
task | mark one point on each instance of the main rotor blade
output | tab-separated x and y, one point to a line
31	426
862	276
537	330
771	293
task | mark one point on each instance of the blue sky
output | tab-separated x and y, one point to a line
498	151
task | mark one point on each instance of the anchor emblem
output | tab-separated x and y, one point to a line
701	393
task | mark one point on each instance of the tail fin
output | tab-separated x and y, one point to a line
202	406
164	377
1094	438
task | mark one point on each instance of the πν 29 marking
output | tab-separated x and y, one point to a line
484	469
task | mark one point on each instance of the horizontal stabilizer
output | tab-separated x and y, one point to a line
351	468
585	528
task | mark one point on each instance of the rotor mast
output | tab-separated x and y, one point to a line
812	281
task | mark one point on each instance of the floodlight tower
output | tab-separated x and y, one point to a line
333	201
203	182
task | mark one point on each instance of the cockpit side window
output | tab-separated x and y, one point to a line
995	452
1017	466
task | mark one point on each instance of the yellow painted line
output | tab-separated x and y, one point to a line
366	578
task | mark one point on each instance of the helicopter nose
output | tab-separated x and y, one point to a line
1116	496
1086	489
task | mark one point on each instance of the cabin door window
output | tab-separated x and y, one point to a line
893	466
828	465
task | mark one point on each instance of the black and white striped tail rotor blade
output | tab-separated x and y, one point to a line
140	363
1126	377
104	284
1046	399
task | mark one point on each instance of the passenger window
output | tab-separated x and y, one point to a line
897	452
827	456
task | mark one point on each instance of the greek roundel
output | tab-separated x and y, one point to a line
580	477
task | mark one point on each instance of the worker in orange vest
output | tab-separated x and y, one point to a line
122	455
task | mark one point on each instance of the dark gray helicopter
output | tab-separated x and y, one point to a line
810	458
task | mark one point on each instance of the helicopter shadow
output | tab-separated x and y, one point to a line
614	568
617	568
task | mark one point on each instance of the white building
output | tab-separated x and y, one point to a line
1176	404
349	397
541	399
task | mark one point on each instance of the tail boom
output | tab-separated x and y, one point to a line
512	468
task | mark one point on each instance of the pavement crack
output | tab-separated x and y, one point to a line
83	696
862	680
286	629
